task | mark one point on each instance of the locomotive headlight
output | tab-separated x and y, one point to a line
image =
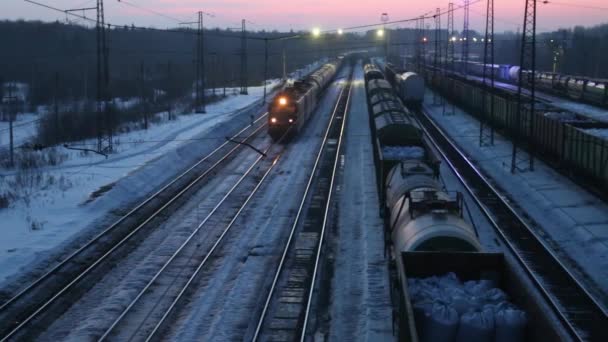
282	101
273	120
290	120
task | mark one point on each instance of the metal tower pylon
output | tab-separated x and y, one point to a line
201	61
466	37
449	66
486	134
523	122
418	45
437	100
104	126
243	58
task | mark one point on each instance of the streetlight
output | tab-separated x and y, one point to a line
384	19
380	33
340	32
316	32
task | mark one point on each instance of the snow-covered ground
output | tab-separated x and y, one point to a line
59	201
571	220
24	127
231	286
361	308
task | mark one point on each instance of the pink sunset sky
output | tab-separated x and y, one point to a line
326	14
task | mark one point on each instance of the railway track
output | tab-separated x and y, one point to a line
287	307
584	318
148	312
57	289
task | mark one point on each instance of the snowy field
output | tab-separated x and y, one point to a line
56	202
571	220
24	127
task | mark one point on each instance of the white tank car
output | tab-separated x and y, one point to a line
423	217
411	87
514	73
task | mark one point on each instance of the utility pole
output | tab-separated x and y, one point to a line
142	92
223	62
284	63
199	63
437	55
265	67
213	71
56	102
488	70
198	66
169	91
11	116
384	19
449	54
418	44
243	58
466	38
201	38
527	62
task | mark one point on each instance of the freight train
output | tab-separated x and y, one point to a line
432	244
573	143
408	85
422	215
292	107
583	89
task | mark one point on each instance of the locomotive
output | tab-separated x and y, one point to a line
420	214
292	107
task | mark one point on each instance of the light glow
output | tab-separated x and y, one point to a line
340	31
316	32
380	33
273	120
282	101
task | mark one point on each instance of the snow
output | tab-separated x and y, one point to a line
56	202
24	128
598	132
402	152
233	284
360	306
572	221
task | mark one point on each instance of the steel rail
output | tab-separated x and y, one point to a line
280	267
190	238
116	224
561	286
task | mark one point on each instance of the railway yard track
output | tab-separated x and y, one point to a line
287	306
143	318
578	310
43	300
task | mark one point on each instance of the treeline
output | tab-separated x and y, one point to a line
579	51
59	60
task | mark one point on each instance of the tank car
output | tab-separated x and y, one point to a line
291	108
410	87
421	216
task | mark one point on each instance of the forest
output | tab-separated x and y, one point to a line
57	61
